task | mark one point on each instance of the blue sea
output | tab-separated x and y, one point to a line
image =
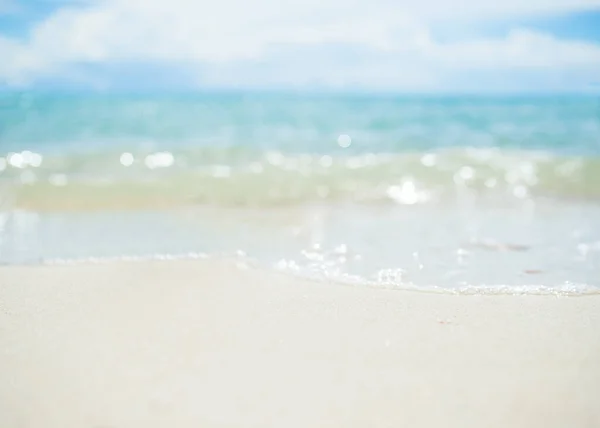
461	194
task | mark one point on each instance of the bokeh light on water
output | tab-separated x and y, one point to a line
430	192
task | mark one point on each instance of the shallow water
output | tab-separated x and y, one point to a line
455	193
526	246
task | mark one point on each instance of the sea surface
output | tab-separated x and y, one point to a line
462	194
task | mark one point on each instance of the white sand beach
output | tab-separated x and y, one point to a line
206	344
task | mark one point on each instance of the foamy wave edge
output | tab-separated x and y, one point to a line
242	261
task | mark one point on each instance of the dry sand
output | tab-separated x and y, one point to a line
205	344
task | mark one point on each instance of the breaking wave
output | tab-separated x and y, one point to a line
238	177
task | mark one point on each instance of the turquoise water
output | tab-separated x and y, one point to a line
299	124
460	193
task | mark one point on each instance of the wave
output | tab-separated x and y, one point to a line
242	261
240	177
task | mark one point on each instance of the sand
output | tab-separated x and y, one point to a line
207	344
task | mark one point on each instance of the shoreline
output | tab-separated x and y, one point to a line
242	262
192	343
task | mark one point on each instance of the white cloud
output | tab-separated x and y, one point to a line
521	49
213	35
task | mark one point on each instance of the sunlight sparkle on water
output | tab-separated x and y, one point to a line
159	160
126	159
22	160
344	141
407	193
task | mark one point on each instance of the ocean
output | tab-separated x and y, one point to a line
459	194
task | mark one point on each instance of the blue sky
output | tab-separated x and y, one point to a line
381	45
